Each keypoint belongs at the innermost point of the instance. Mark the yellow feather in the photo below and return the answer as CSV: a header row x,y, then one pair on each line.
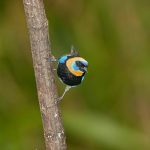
x,y
69,64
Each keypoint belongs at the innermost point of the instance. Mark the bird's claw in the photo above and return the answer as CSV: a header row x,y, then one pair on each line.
x,y
57,100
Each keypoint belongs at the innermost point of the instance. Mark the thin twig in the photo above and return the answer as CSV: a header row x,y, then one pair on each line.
x,y
47,92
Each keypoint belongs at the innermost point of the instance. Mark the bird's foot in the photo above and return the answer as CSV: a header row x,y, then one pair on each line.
x,y
58,100
55,103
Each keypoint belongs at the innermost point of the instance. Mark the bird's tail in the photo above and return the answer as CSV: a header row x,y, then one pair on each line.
x,y
74,52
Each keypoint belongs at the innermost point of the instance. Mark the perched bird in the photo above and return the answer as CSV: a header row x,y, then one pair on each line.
x,y
71,70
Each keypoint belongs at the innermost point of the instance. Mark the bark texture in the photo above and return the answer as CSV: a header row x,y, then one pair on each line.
x,y
46,88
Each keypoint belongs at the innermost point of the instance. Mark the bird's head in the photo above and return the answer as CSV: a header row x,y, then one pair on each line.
x,y
77,65
82,65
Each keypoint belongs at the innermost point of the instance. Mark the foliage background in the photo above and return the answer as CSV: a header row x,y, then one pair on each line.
x,y
110,110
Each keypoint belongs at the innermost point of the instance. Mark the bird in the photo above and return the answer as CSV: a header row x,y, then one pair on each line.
x,y
71,69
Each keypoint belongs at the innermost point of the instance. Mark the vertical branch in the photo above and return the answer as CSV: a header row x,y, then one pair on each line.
x,y
47,92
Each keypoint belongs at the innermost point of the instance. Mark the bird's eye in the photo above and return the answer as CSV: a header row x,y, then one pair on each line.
x,y
80,64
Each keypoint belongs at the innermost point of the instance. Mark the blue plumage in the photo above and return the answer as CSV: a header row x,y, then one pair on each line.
x,y
85,63
82,78
74,66
62,59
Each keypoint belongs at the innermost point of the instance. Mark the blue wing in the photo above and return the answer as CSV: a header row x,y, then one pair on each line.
x,y
62,59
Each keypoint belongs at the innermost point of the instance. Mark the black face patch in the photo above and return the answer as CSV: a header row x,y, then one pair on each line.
x,y
80,64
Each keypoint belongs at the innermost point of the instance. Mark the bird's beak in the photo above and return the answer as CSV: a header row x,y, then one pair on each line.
x,y
85,69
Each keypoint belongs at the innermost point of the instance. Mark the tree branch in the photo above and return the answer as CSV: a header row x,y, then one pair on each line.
x,y
47,92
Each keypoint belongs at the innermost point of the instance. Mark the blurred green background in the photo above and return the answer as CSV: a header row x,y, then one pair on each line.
x,y
111,109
